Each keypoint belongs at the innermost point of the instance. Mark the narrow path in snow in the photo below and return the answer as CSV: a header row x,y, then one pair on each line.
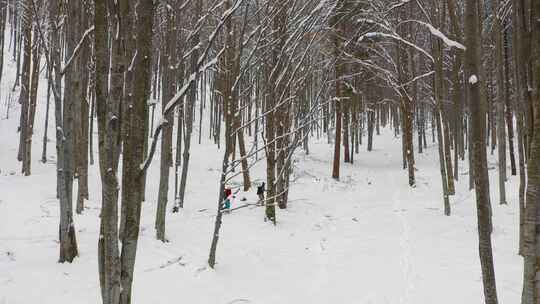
x,y
404,240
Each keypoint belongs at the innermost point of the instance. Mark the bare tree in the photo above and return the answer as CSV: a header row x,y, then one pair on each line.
x,y
477,104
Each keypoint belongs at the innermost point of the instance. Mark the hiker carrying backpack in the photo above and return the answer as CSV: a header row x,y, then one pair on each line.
x,y
260,193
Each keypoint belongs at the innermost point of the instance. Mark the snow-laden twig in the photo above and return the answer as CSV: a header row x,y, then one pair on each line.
x,y
146,163
437,33
398,38
76,50
418,78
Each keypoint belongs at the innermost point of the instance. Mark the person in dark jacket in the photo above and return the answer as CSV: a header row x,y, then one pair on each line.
x,y
260,193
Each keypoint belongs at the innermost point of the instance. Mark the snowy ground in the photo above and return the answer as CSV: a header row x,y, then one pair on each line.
x,y
368,239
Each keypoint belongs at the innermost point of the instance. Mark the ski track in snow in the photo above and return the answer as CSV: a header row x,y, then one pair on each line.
x,y
407,269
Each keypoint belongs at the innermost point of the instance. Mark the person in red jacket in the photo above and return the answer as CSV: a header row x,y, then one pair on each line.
x,y
228,198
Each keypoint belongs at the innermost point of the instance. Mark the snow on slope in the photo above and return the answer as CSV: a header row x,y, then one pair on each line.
x,y
368,239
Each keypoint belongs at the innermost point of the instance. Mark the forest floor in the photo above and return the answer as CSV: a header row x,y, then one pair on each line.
x,y
368,238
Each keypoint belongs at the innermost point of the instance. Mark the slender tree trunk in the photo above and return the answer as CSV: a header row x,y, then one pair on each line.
x,y
134,146
167,86
531,231
189,111
24,97
82,125
219,214
442,166
509,119
477,107
68,242
107,99
34,82
339,68
501,132
520,76
47,111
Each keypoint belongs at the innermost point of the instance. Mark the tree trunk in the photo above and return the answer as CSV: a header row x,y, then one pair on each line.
x,y
68,242
188,113
108,252
531,231
168,82
134,146
24,97
501,132
477,107
82,114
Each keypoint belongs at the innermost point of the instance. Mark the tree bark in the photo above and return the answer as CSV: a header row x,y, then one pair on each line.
x,y
134,146
477,106
107,114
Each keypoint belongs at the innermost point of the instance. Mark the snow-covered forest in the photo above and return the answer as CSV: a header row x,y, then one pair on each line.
x,y
270,151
